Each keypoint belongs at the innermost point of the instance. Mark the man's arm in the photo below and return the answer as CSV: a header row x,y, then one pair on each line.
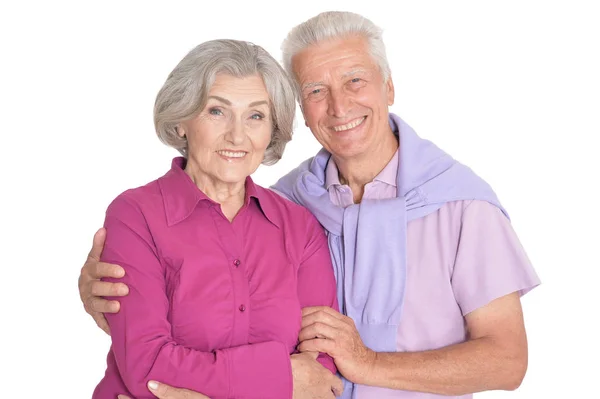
x,y
92,289
493,357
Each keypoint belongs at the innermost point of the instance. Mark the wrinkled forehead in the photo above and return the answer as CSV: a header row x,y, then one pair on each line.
x,y
338,58
232,89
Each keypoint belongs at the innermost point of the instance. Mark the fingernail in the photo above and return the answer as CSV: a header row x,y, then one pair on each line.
x,y
153,385
122,290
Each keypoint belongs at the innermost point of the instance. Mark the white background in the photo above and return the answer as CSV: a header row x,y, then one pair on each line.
x,y
510,88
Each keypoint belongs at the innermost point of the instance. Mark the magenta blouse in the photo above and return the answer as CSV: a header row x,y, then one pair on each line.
x,y
213,306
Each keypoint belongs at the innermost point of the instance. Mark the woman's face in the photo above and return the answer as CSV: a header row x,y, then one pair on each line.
x,y
228,138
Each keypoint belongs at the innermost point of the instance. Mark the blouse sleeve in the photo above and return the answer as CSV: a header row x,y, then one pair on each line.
x,y
316,281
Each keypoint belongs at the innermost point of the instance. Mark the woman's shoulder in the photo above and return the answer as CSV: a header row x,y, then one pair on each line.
x,y
141,194
140,198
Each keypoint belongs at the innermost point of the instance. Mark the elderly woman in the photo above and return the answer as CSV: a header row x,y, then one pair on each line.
x,y
218,267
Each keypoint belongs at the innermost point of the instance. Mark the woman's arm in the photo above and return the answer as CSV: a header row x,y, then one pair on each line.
x,y
141,332
316,281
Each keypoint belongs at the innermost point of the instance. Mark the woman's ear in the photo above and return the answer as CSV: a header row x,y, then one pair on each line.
x,y
180,129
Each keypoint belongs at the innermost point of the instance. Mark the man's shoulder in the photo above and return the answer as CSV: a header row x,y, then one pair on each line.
x,y
472,210
284,184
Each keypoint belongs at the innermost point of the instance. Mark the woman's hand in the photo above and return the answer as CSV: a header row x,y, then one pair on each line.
x,y
164,391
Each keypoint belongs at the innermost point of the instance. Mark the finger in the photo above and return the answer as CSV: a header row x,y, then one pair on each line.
x,y
97,304
104,288
99,270
324,313
337,386
325,309
318,330
312,309
313,355
318,345
101,322
321,317
123,397
98,244
164,391
161,391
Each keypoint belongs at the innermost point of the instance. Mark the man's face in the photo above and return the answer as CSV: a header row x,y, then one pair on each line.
x,y
344,98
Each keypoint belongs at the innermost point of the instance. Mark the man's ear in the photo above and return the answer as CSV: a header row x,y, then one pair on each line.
x,y
390,90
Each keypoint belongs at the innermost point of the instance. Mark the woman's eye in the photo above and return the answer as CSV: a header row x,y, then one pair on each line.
x,y
215,111
257,116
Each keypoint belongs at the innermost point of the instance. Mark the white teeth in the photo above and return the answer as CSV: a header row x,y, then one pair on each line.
x,y
349,125
231,154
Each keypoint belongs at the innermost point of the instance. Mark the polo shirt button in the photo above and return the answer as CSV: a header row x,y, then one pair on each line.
x,y
242,308
236,262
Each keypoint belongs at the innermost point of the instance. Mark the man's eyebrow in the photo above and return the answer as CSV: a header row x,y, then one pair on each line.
x,y
345,75
353,72
312,84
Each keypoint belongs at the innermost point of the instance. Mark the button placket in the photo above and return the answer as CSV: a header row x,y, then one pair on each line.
x,y
230,234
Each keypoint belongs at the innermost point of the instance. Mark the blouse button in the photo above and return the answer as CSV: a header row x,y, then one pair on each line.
x,y
236,262
242,308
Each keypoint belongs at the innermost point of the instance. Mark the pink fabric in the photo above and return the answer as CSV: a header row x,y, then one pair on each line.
x,y
213,306
460,258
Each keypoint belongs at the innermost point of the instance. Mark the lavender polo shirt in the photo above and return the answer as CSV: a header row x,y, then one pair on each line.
x,y
445,280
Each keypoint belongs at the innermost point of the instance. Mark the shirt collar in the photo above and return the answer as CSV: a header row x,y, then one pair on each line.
x,y
181,195
388,175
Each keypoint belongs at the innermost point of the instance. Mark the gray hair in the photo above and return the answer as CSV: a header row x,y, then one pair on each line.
x,y
334,25
185,92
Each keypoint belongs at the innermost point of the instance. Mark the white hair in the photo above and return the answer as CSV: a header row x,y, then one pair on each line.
x,y
185,92
334,25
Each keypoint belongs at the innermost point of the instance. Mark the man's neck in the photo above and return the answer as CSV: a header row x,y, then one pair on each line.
x,y
357,172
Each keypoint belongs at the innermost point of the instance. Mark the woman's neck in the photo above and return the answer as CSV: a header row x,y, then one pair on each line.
x,y
229,195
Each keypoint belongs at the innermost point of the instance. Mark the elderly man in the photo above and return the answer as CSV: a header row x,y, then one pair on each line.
x,y
429,270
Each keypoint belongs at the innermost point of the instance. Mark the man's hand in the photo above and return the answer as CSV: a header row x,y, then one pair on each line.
x,y
328,331
91,289
164,391
312,380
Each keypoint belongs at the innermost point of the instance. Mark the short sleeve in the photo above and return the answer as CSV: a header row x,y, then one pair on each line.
x,y
490,260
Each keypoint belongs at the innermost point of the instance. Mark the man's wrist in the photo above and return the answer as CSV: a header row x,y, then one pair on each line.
x,y
371,363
